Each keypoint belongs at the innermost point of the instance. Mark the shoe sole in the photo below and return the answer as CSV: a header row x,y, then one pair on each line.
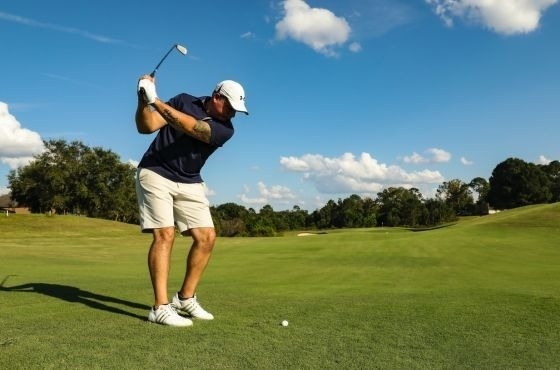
x,y
185,313
173,326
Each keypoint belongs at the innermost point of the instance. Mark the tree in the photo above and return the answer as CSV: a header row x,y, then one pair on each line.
x,y
437,212
77,179
458,195
399,207
481,187
323,218
230,219
108,183
370,212
262,223
515,183
352,211
298,218
552,170
45,184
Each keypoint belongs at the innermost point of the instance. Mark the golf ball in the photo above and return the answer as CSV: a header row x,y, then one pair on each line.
x,y
285,323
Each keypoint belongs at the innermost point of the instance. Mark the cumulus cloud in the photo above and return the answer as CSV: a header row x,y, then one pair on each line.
x,y
275,194
466,162
506,17
18,145
543,160
433,155
209,192
348,174
415,158
317,28
439,155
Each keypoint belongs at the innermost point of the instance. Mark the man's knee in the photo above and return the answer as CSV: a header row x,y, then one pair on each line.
x,y
204,237
164,236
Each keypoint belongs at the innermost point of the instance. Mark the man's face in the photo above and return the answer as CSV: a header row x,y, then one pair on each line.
x,y
224,110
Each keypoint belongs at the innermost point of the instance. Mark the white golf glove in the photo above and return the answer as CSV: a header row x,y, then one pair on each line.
x,y
148,90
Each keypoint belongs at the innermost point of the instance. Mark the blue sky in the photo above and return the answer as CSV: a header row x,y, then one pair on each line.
x,y
345,97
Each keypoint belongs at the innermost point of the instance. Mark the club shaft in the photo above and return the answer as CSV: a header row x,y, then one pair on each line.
x,y
161,61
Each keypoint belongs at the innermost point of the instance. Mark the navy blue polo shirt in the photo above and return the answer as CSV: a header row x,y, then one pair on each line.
x,y
179,157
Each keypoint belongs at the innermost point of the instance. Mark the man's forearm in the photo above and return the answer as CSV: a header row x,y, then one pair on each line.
x,y
183,122
147,120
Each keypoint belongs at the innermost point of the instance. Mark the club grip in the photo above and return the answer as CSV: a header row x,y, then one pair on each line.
x,y
142,94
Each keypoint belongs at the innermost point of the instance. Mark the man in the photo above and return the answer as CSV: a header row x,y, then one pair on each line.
x,y
170,190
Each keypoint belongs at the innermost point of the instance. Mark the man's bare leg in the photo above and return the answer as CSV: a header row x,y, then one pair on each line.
x,y
159,261
198,258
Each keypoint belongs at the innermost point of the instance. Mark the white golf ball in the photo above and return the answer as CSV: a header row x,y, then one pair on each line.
x,y
285,323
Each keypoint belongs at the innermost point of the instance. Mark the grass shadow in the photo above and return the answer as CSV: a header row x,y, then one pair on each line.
x,y
429,228
76,295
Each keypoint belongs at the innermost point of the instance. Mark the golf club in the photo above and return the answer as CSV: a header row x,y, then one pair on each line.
x,y
180,48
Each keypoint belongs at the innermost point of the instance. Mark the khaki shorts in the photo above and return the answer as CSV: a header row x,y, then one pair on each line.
x,y
164,203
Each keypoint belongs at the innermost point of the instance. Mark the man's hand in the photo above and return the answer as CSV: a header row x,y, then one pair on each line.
x,y
147,90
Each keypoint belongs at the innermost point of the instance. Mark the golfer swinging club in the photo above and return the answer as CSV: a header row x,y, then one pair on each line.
x,y
170,190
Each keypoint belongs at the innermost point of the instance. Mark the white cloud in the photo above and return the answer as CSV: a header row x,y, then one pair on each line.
x,y
17,145
415,158
318,28
73,81
248,35
348,174
54,27
274,195
543,160
506,17
466,162
209,192
355,47
434,155
439,155
374,18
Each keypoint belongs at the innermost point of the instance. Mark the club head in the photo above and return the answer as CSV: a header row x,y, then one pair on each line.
x,y
181,49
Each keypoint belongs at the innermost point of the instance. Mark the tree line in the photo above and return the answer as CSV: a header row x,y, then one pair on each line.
x,y
71,178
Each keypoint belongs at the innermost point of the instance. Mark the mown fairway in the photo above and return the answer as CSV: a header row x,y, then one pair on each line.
x,y
484,293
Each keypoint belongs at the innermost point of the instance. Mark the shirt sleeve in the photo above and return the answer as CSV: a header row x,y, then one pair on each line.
x,y
220,133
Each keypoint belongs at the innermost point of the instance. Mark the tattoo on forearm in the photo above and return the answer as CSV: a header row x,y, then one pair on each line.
x,y
171,118
202,131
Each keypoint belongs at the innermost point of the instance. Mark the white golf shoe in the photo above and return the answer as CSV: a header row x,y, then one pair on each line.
x,y
165,314
191,307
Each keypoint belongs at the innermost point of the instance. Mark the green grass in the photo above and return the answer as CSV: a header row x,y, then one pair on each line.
x,y
483,293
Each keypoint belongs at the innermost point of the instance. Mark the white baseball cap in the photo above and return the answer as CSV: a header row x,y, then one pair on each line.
x,y
234,93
